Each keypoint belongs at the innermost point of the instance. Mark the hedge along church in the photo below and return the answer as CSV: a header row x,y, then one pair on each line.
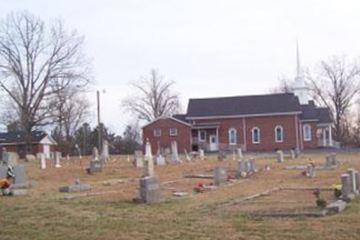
x,y
254,123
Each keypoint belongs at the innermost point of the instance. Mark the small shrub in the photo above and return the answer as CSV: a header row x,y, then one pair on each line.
x,y
320,203
337,193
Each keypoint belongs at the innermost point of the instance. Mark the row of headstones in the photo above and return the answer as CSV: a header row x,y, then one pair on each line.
x,y
42,159
293,155
350,184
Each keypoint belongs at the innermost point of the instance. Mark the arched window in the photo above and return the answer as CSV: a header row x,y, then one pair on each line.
x,y
255,135
279,134
307,132
232,136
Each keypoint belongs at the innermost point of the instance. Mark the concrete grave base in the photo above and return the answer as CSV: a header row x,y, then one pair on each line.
x,y
75,188
336,207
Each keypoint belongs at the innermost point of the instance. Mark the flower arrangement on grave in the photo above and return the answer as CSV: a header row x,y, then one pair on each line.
x,y
319,201
337,190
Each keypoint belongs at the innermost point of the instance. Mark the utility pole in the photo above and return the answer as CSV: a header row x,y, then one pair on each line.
x,y
99,122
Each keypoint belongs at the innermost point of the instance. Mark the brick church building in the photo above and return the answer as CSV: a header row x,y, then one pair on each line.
x,y
254,123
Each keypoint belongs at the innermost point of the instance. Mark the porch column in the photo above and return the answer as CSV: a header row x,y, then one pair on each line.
x,y
324,136
330,137
217,137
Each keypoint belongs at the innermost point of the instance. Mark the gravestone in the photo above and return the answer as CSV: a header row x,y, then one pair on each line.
x,y
239,153
241,168
95,166
280,156
201,154
188,158
292,154
160,160
247,166
30,158
138,161
95,154
20,180
357,178
105,156
310,171
220,176
42,160
150,190
253,168
353,186
3,171
10,158
148,160
345,187
57,159
174,153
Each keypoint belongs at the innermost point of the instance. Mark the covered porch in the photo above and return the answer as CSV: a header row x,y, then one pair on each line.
x,y
324,135
205,136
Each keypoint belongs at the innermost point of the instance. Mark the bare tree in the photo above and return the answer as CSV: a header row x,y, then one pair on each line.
x,y
285,85
33,59
153,98
335,84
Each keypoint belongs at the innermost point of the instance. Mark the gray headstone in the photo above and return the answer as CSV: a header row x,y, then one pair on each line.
x,y
345,186
253,168
95,154
3,171
20,174
297,152
160,160
10,158
310,171
280,156
95,166
220,176
357,177
241,167
352,174
105,156
292,154
150,190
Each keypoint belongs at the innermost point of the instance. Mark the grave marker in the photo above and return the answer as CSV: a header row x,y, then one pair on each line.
x,y
149,190
149,163
57,159
174,153
345,187
280,156
138,161
220,176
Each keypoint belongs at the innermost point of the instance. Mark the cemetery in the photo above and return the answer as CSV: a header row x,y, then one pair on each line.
x,y
217,196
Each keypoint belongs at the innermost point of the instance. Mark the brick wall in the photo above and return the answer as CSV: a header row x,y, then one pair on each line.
x,y
183,137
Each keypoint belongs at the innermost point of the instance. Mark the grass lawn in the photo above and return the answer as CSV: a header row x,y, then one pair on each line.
x,y
111,214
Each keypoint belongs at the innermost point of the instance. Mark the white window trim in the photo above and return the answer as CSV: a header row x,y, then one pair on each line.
x,y
282,134
199,136
235,132
252,135
173,134
155,132
304,132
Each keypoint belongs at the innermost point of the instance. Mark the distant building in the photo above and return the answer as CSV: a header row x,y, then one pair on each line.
x,y
15,142
254,123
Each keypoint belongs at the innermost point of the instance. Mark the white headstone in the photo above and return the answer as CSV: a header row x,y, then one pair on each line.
x,y
280,156
95,154
138,161
105,156
201,154
57,159
188,158
174,152
240,154
149,163
42,161
160,160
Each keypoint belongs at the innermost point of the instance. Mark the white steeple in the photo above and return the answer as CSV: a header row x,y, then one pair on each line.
x,y
300,89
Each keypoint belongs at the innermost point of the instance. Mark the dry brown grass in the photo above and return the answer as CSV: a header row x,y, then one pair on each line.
x,y
44,214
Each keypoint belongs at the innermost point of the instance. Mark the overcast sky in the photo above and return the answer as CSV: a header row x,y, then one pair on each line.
x,y
209,48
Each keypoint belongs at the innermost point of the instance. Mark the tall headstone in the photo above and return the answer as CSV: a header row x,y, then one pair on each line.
x,y
292,154
42,160
239,153
105,156
241,168
150,190
253,168
188,158
297,152
353,186
95,154
345,186
357,178
174,153
57,159
220,176
138,161
201,154
149,162
280,156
